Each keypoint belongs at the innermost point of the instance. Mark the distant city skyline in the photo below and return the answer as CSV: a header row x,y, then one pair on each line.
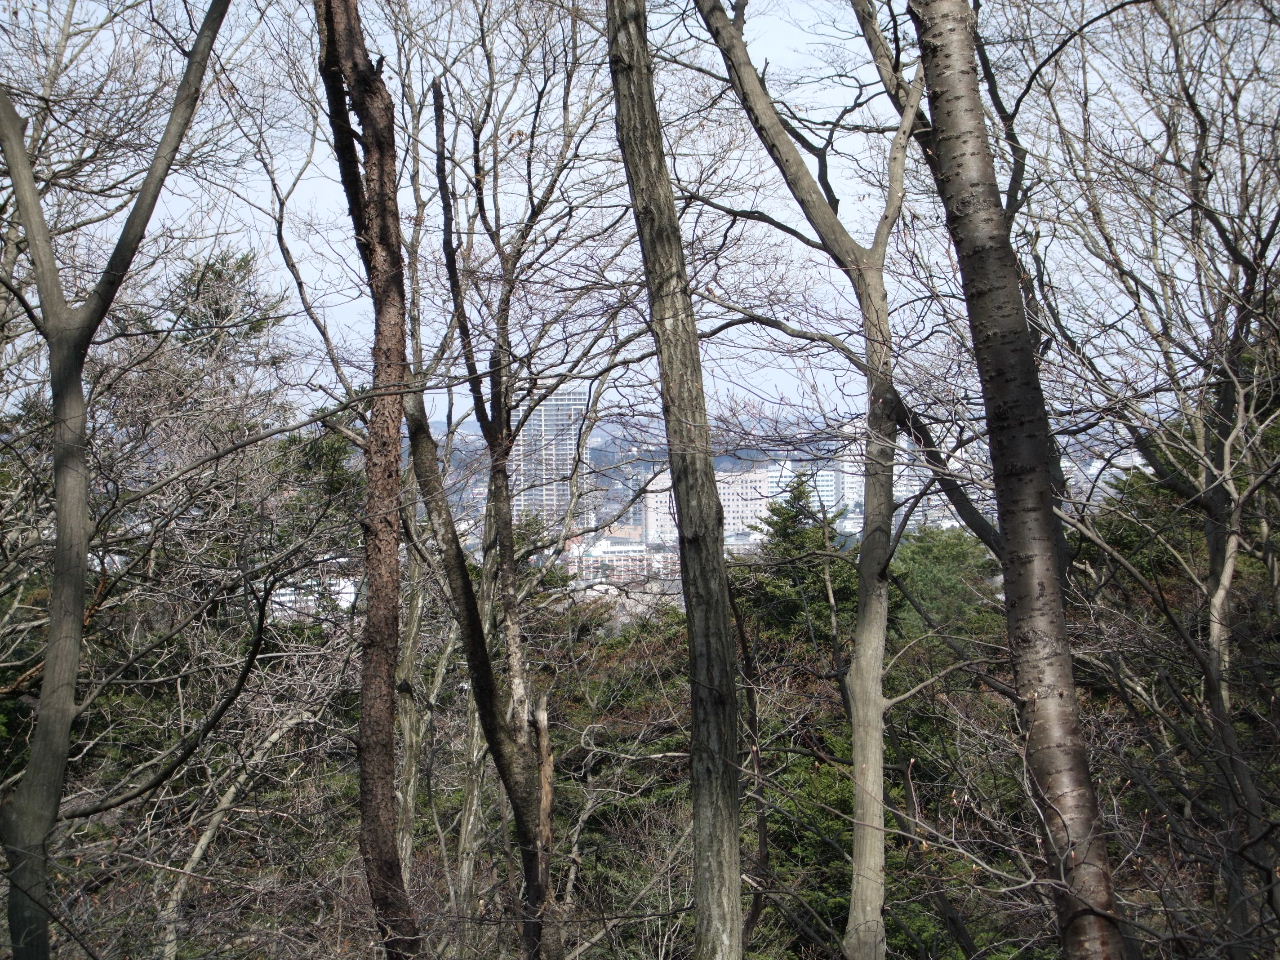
x,y
624,489
745,496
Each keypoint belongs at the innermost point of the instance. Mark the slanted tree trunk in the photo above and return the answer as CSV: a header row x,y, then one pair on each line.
x,y
28,813
517,742
714,748
348,74
523,759
1021,454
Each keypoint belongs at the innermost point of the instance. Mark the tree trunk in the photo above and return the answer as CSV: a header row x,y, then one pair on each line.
x,y
410,722
469,836
505,715
528,781
714,747
861,687
1244,811
31,812
864,933
347,71
1021,453
518,757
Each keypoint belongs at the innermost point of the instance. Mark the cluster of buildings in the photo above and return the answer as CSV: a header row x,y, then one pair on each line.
x,y
621,492
747,490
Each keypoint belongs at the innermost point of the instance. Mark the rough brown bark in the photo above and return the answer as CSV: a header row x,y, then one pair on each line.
x,y
370,187
1021,454
29,812
714,747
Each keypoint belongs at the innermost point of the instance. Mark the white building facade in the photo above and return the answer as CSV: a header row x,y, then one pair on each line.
x,y
545,455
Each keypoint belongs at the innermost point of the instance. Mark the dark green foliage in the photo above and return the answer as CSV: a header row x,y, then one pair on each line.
x,y
945,608
221,296
784,586
1146,524
952,577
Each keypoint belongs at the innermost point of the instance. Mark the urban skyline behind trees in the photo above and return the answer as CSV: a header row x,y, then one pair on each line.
x,y
313,319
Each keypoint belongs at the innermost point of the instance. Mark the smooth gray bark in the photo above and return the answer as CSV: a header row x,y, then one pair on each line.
x,y
28,813
1022,453
712,657
864,935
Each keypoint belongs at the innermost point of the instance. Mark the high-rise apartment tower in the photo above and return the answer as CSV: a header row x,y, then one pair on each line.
x,y
545,454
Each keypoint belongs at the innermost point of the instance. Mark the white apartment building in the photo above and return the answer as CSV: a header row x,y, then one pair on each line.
x,y
545,453
1098,477
834,488
914,489
745,496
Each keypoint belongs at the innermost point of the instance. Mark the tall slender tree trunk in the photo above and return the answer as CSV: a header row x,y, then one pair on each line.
x,y
30,814
1021,454
1250,912
348,73
470,824
864,933
517,742
518,745
529,781
862,684
714,748
410,721
1222,534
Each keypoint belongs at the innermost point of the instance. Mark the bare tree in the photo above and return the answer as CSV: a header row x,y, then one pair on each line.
x,y
498,124
29,810
1171,218
864,935
370,181
510,116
